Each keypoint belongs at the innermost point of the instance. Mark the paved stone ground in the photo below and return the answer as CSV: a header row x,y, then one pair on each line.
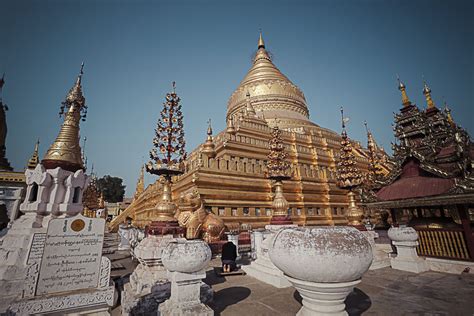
x,y
382,292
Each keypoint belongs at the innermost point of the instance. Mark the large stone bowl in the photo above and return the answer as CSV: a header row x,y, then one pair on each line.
x,y
402,234
321,254
186,256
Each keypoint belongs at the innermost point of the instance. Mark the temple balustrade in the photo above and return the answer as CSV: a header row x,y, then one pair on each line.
x,y
447,243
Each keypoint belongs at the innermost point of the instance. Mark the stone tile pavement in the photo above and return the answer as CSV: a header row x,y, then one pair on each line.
x,y
381,292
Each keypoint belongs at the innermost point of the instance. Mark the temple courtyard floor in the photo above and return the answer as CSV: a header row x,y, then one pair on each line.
x,y
382,292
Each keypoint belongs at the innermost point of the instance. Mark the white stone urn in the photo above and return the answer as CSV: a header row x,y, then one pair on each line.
x,y
323,264
186,256
402,234
406,241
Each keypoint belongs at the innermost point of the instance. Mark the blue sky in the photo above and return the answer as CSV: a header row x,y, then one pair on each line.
x,y
338,52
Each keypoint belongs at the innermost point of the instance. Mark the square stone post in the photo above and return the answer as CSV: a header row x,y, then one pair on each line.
x,y
185,295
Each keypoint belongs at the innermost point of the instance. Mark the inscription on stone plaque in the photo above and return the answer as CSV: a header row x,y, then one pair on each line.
x,y
36,248
72,255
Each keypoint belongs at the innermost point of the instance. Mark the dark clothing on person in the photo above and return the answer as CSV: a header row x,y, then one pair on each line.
x,y
229,251
229,254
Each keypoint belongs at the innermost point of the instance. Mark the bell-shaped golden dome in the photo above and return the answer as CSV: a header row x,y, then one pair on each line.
x,y
271,92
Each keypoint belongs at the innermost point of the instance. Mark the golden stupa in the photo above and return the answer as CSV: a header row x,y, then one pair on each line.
x,y
231,178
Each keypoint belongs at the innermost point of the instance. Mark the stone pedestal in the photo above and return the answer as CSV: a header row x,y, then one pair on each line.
x,y
262,268
323,298
185,299
323,264
407,259
185,261
406,241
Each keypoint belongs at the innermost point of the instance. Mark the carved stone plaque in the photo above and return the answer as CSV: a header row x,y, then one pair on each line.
x,y
72,255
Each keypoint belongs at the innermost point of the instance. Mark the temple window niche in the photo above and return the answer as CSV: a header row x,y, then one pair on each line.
x,y
221,211
246,211
234,211
33,193
76,195
268,212
257,211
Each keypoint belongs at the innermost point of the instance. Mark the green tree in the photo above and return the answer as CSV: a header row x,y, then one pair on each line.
x,y
112,188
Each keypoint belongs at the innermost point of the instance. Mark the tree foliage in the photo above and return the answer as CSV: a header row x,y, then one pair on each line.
x,y
112,188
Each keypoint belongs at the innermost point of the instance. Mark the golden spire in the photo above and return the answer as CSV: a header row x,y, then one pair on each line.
x,y
249,108
140,184
34,160
65,152
209,147
449,117
402,88
230,125
427,93
261,43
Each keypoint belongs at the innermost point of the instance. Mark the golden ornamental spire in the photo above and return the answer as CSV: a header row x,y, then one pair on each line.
x,y
278,169
65,152
449,117
427,92
140,184
402,88
209,147
348,176
34,160
261,43
249,108
230,125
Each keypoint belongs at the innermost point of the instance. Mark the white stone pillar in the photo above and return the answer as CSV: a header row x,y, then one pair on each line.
x,y
406,241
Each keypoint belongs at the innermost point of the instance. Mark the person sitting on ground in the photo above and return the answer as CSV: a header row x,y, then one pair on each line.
x,y
229,255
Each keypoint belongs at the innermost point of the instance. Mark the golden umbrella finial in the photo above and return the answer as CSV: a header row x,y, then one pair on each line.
x,y
261,43
402,88
427,92
65,152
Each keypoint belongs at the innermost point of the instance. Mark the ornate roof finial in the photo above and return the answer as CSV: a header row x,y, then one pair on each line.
x,y
209,128
230,125
261,43
249,108
140,184
209,148
427,92
449,117
34,160
402,88
65,152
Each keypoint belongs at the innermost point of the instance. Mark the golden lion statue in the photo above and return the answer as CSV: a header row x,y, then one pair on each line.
x,y
199,223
